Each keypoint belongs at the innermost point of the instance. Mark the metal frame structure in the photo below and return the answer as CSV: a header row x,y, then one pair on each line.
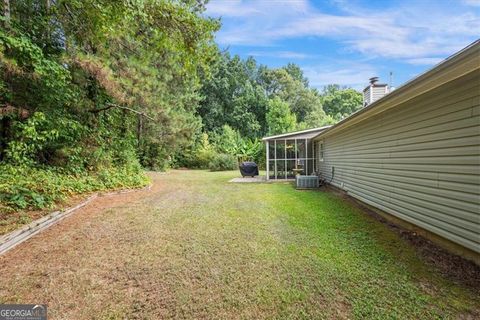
x,y
284,154
307,161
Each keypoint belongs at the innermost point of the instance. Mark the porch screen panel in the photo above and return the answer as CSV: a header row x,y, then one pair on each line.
x,y
281,172
290,167
280,149
271,150
290,150
271,169
301,150
288,157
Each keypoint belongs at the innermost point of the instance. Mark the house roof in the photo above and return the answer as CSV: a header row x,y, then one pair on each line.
x,y
461,63
375,85
303,134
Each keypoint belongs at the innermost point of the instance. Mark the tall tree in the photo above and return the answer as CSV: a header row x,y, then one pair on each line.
x,y
99,65
340,102
279,117
280,83
296,73
233,97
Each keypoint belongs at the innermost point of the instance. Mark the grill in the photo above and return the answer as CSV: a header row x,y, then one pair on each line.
x,y
248,169
307,182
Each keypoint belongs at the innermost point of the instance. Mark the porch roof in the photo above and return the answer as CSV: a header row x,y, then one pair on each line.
x,y
304,134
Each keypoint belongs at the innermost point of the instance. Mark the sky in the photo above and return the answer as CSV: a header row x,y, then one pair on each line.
x,y
347,42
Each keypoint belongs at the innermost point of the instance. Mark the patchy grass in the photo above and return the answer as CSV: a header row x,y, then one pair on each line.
x,y
197,246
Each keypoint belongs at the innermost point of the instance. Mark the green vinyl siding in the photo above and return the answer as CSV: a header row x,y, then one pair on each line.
x,y
419,161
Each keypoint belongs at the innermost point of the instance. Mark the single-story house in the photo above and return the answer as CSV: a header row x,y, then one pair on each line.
x,y
413,153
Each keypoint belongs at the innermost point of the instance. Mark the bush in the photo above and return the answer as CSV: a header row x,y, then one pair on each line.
x,y
201,154
204,157
30,188
222,162
197,156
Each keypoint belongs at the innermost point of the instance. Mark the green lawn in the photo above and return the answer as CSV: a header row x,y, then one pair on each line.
x,y
196,246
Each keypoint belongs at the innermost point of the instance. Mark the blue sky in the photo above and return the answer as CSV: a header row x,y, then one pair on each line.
x,y
347,42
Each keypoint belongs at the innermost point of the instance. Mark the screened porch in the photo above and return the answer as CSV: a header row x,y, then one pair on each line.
x,y
290,154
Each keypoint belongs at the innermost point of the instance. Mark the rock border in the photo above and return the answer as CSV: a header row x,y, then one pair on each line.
x,y
14,238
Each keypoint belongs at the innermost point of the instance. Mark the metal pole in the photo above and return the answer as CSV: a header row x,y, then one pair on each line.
x,y
313,159
296,154
306,157
268,159
285,155
275,161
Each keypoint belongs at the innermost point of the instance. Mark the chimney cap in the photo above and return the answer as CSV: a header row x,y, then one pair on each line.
x,y
373,80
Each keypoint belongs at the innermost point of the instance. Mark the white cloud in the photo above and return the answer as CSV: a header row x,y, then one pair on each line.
x,y
408,32
257,10
345,74
231,8
414,32
474,3
280,54
424,61
254,18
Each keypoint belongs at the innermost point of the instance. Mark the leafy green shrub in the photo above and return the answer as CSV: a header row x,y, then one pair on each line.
x,y
197,156
250,150
222,162
205,153
23,187
227,141
30,138
230,141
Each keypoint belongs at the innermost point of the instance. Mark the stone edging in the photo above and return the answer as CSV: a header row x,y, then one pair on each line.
x,y
14,238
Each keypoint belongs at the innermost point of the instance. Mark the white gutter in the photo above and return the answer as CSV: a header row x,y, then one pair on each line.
x,y
295,133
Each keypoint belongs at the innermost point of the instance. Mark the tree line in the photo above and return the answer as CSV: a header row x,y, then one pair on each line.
x,y
248,100
92,86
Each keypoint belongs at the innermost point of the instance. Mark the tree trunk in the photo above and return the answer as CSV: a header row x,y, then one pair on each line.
x,y
139,130
124,128
6,11
4,136
47,29
5,121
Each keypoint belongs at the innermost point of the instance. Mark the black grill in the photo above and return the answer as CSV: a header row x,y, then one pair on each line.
x,y
248,168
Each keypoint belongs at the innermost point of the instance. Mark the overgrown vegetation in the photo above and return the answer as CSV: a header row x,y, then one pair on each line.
x,y
91,91
223,162
26,187
99,87
254,100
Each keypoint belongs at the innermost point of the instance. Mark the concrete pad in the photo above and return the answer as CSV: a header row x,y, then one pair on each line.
x,y
249,179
